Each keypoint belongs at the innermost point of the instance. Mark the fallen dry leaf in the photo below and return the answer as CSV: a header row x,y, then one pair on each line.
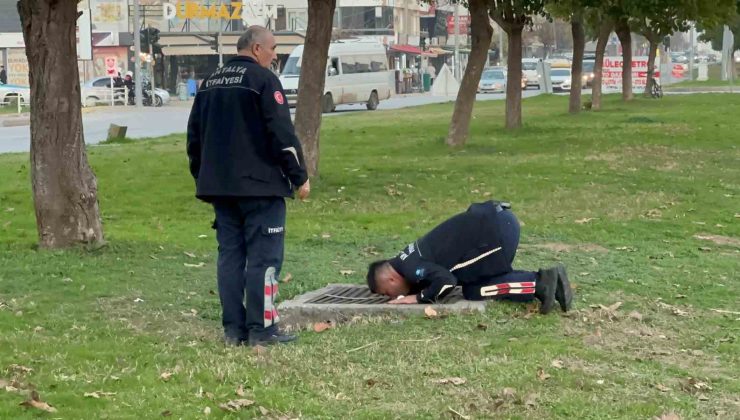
x,y
166,413
236,405
702,397
482,327
264,411
457,414
199,265
189,254
288,277
240,391
557,364
20,369
454,381
542,375
321,326
259,350
207,411
429,312
325,235
346,272
165,376
585,220
705,249
508,392
635,315
35,402
662,388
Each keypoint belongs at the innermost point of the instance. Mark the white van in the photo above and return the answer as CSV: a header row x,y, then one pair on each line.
x,y
529,71
356,72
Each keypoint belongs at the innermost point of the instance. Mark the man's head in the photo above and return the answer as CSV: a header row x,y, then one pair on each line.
x,y
383,279
259,44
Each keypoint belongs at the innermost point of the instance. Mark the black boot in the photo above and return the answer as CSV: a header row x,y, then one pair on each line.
x,y
547,283
563,293
277,337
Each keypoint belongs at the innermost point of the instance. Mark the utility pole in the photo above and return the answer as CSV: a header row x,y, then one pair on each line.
x,y
137,54
457,41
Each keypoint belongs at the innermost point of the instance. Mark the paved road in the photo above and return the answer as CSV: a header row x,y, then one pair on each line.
x,y
155,122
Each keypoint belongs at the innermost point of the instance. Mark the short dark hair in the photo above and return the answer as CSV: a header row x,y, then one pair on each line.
x,y
252,36
372,274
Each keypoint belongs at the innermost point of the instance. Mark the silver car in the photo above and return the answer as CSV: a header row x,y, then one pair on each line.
x,y
98,91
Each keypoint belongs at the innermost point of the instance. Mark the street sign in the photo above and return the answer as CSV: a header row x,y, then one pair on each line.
x,y
464,24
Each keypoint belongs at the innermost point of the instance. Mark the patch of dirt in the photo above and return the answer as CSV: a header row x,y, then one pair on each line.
x,y
719,239
603,157
563,247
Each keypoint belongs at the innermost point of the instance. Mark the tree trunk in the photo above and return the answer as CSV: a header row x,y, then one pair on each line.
x,y
605,29
625,38
311,82
64,186
514,78
651,65
481,34
576,83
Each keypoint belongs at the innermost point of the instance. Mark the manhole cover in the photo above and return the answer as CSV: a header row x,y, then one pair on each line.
x,y
357,295
343,302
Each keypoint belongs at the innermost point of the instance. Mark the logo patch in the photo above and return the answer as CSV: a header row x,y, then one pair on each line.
x,y
279,97
275,230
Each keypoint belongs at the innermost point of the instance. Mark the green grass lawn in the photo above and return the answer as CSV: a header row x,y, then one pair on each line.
x,y
640,201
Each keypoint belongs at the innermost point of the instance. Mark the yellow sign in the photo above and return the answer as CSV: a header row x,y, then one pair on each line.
x,y
195,10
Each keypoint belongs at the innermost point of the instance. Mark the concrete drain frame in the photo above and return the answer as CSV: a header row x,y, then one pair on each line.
x,y
343,302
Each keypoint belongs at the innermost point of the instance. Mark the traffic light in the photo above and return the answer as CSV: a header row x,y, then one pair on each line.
x,y
150,37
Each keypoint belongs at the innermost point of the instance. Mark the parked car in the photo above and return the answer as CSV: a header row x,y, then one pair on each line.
x,y
529,70
98,92
560,79
492,80
9,92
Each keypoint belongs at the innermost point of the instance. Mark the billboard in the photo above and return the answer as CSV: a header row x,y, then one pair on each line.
x,y
612,74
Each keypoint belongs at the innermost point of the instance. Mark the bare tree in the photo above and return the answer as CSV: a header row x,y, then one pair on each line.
x,y
311,98
625,38
64,186
513,16
481,33
579,44
605,26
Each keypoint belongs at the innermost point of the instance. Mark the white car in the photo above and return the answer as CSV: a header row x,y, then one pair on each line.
x,y
98,92
492,80
560,79
529,70
9,92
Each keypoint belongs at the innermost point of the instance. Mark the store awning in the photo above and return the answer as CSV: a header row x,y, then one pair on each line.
x,y
439,51
409,49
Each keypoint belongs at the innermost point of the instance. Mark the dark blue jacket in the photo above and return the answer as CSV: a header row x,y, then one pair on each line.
x,y
241,141
465,248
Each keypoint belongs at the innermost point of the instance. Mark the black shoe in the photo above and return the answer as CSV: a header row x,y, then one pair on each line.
x,y
545,288
272,338
563,293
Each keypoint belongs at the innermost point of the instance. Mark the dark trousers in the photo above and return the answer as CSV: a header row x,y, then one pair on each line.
x,y
515,285
250,234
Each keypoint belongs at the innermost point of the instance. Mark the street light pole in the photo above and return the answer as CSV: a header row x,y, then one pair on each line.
x,y
137,54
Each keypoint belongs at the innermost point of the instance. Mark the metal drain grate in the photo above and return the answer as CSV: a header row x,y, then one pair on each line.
x,y
361,295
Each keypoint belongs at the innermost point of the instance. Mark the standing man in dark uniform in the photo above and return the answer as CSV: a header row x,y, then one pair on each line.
x,y
245,158
475,250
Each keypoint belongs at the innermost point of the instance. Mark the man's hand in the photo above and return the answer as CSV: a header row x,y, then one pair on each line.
x,y
304,190
404,300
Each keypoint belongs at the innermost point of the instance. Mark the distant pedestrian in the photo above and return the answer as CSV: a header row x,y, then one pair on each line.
x,y
246,158
3,76
432,72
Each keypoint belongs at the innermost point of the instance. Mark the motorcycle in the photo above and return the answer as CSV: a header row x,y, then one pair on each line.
x,y
148,97
657,90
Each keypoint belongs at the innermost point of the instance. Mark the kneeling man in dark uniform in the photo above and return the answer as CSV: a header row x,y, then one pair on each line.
x,y
475,250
